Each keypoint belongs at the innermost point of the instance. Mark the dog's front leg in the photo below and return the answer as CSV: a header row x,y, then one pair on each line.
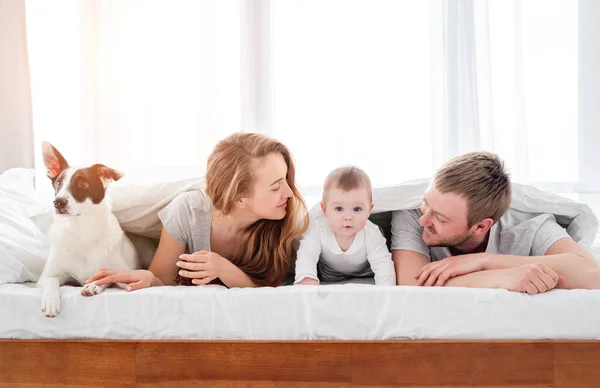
x,y
50,280
50,296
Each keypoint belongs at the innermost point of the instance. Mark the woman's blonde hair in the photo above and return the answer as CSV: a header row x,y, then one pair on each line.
x,y
266,252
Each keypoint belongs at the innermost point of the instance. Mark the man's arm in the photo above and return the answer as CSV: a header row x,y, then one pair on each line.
x,y
576,266
571,262
407,264
409,251
532,279
529,278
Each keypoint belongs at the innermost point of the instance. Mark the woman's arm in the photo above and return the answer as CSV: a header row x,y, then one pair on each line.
x,y
205,266
232,276
162,270
163,264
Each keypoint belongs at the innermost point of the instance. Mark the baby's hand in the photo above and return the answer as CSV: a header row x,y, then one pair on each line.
x,y
309,282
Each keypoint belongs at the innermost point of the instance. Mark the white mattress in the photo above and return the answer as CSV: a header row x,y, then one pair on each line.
x,y
342,312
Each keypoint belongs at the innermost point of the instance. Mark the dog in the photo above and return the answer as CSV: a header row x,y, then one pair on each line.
x,y
85,235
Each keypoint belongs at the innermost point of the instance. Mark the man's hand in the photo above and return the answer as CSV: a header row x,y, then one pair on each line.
x,y
529,278
438,272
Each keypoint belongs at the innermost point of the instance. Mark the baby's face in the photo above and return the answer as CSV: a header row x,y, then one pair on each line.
x,y
347,211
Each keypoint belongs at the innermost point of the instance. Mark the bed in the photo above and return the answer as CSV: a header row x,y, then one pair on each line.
x,y
331,335
338,335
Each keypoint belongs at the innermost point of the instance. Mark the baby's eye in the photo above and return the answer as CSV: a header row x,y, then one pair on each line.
x,y
357,209
339,208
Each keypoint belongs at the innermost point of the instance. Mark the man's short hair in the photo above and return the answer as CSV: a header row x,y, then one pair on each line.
x,y
479,177
347,178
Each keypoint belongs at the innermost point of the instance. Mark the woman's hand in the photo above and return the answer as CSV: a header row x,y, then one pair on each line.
x,y
202,267
134,279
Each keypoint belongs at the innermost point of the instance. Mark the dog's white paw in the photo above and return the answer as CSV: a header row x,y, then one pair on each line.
x,y
91,289
51,305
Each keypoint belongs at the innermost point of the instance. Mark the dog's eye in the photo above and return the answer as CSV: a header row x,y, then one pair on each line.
x,y
83,184
59,183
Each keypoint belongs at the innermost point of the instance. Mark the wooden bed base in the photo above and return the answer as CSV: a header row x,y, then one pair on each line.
x,y
216,364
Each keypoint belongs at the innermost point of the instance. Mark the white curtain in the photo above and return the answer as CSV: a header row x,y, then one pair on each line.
x,y
16,132
399,87
394,86
144,86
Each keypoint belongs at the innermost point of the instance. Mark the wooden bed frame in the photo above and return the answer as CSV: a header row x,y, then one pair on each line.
x,y
217,364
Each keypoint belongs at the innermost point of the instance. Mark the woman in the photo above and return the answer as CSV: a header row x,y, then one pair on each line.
x,y
240,230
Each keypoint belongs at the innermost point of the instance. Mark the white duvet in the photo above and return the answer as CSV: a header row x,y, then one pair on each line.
x,y
346,311
25,214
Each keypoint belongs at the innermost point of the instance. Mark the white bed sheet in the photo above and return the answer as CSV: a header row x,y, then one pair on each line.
x,y
332,312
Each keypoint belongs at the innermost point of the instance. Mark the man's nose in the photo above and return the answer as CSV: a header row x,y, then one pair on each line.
x,y
425,220
60,203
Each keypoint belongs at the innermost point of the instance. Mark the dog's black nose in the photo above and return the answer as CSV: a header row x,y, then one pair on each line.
x,y
60,203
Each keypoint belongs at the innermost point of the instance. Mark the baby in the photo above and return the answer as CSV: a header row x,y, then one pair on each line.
x,y
344,243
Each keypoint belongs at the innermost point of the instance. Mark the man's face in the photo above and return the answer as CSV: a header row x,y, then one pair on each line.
x,y
444,219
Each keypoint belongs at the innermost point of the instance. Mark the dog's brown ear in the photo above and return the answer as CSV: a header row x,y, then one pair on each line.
x,y
53,160
107,174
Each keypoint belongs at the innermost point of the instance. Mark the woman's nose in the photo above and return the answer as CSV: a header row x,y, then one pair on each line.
x,y
288,191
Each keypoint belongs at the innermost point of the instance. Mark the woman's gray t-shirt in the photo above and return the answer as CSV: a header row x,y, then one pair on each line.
x,y
188,219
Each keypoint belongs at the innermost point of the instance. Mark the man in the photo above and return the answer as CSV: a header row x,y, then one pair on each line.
x,y
465,235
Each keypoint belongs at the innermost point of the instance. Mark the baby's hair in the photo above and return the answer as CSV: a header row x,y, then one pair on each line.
x,y
347,178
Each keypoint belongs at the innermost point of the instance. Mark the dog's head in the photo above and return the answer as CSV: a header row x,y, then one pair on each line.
x,y
77,189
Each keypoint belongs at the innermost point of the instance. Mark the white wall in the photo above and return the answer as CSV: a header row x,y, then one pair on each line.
x,y
16,133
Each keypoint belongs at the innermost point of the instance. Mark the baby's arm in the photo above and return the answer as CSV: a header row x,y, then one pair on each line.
x,y
380,258
308,256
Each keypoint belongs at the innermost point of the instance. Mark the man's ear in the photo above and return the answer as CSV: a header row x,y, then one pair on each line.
x,y
106,174
53,160
483,226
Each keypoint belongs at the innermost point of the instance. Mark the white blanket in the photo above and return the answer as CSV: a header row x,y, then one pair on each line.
x,y
25,214
577,218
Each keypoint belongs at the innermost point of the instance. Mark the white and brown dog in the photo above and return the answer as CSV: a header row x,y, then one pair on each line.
x,y
85,236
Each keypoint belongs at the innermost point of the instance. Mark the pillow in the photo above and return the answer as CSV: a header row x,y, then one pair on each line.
x,y
25,216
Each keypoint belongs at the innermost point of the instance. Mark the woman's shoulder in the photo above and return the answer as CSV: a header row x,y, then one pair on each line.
x,y
194,200
190,204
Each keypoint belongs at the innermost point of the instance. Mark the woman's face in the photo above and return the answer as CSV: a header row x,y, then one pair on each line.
x,y
271,189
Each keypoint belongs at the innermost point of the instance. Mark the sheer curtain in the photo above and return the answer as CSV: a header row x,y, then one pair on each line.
x,y
394,86
144,86
398,87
